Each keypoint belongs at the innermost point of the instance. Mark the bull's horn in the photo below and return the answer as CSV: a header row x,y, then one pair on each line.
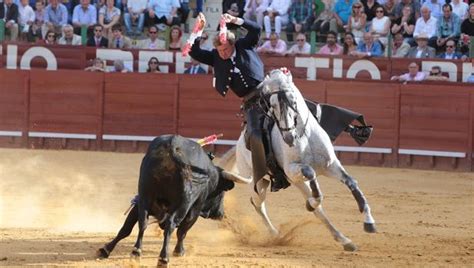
x,y
236,178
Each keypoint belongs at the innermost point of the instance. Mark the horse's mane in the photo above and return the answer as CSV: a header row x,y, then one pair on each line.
x,y
277,80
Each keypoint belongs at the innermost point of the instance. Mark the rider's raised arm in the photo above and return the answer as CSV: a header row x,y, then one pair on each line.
x,y
201,55
253,34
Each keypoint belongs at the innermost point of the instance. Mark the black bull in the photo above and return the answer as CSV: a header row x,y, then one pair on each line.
x,y
178,183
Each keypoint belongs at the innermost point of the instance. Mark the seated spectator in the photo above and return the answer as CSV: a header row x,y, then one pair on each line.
x,y
84,14
448,26
380,27
234,8
255,9
50,38
435,6
405,25
331,47
26,18
350,44
175,43
426,25
162,11
400,48
153,65
109,16
69,37
274,46
357,21
183,13
341,11
460,8
370,7
98,65
9,14
322,20
368,48
414,7
98,40
135,16
37,29
119,40
389,7
195,68
56,16
436,75
422,50
299,18
467,30
301,47
277,13
450,52
119,67
203,43
152,42
413,74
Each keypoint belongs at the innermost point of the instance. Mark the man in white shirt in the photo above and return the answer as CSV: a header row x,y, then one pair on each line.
x,y
135,15
426,25
26,16
152,43
255,8
460,8
163,11
301,47
69,38
277,12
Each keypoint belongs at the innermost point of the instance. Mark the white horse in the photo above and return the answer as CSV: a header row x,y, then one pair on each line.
x,y
303,149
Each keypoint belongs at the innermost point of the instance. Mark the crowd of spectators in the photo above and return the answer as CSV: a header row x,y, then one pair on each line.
x,y
358,28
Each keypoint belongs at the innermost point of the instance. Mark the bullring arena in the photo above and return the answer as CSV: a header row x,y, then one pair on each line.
x,y
59,207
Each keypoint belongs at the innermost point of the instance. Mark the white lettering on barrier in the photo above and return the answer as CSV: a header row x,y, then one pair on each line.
x,y
33,52
446,67
311,64
12,54
467,70
363,65
162,56
337,68
116,54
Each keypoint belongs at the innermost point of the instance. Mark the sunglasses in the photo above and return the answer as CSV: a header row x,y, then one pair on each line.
x,y
379,11
435,73
50,35
97,31
152,32
356,7
300,40
153,62
450,46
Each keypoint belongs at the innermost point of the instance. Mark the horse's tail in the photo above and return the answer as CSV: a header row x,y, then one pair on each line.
x,y
228,159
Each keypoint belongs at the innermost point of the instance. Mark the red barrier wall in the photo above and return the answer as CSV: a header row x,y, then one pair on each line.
x,y
419,125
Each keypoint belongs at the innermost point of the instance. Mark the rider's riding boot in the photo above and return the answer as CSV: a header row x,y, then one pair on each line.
x,y
259,163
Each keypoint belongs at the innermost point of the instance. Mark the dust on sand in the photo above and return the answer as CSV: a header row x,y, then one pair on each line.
x,y
58,207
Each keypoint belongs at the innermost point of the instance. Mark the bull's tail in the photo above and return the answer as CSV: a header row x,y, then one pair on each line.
x,y
228,159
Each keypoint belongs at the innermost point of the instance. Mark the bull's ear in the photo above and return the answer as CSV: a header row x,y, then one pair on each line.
x,y
235,178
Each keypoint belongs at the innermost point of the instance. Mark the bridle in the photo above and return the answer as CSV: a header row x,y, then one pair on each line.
x,y
285,104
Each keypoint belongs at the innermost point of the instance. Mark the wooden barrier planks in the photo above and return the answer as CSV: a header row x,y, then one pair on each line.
x,y
203,111
140,104
12,101
65,102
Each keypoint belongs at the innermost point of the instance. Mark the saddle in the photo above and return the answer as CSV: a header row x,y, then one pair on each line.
x,y
334,120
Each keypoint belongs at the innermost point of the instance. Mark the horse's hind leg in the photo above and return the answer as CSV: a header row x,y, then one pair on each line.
x,y
258,202
306,190
339,172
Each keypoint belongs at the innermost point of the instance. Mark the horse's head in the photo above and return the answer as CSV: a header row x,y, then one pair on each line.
x,y
282,96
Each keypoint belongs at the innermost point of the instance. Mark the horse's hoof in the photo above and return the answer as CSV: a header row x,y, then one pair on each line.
x,y
312,203
136,254
162,263
369,228
350,247
102,253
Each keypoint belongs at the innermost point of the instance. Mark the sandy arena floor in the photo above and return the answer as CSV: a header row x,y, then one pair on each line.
x,y
58,207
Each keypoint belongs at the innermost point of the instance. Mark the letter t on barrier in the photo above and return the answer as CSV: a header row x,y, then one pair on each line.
x,y
311,64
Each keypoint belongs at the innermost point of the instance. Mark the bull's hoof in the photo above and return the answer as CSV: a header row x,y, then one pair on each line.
x,y
178,253
350,247
162,262
370,228
102,253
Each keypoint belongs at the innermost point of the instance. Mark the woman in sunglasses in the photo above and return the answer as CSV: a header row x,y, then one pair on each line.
x,y
357,21
153,65
50,38
380,27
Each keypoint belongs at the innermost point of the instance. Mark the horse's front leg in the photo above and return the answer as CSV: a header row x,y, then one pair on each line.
x,y
301,173
258,202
